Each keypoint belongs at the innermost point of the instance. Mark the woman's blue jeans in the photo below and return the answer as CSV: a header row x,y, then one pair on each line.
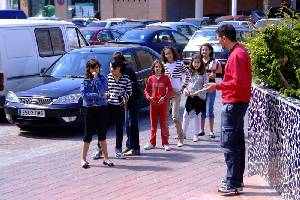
x,y
233,141
210,101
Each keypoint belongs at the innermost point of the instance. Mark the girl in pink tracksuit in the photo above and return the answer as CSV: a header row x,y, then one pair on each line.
x,y
158,91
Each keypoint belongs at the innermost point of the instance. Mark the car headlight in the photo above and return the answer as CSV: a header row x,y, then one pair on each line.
x,y
12,97
68,99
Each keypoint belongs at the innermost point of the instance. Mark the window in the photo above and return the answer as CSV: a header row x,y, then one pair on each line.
x,y
165,37
145,58
76,40
155,39
115,34
179,38
131,60
183,29
193,29
50,41
104,36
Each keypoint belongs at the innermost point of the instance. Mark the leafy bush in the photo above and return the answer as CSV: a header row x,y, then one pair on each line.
x,y
275,56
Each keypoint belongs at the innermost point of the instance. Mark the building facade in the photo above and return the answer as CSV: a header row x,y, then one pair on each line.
x,y
174,10
167,10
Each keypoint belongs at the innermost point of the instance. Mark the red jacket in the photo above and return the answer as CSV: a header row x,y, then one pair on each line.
x,y
236,85
158,88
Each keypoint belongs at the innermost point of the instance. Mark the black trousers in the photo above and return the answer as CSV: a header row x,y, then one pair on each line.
x,y
117,117
132,124
95,122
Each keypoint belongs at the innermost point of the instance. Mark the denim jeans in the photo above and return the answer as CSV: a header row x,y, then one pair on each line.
x,y
132,124
210,101
233,141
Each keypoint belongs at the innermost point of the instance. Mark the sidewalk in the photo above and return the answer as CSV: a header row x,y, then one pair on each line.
x,y
51,170
38,166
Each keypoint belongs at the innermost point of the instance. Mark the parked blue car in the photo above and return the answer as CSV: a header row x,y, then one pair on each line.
x,y
57,102
12,14
155,38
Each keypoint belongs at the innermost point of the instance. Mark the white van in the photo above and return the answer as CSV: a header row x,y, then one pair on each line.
x,y
28,47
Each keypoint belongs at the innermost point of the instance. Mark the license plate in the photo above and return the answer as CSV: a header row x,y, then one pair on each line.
x,y
32,113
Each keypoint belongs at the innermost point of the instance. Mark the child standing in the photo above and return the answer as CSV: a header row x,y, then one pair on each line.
x,y
93,89
118,92
211,65
158,91
176,71
195,95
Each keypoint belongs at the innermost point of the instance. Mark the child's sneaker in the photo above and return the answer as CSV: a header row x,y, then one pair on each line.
x,y
149,146
180,144
120,155
97,155
211,135
195,139
201,133
167,147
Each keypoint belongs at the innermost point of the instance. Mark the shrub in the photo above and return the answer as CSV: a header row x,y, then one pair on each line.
x,y
275,56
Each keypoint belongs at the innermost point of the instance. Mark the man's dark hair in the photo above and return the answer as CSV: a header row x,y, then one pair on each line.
x,y
228,31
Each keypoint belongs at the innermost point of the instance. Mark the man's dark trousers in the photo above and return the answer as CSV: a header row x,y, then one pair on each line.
x,y
233,141
132,124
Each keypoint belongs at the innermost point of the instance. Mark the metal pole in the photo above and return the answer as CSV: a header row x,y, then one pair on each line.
x,y
233,7
198,8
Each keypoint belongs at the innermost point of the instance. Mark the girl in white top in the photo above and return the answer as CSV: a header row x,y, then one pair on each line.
x,y
195,95
177,72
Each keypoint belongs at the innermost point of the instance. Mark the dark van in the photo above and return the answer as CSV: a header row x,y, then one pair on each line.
x,y
12,14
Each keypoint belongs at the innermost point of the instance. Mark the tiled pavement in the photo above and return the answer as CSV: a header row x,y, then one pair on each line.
x,y
46,166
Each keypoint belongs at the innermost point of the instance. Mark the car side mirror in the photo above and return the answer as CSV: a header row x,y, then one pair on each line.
x,y
42,71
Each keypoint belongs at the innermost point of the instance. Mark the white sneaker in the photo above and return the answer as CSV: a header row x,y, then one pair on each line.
x,y
148,146
180,144
195,139
167,147
97,154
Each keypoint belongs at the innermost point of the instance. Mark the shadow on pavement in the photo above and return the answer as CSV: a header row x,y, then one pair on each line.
x,y
162,156
260,194
137,168
52,133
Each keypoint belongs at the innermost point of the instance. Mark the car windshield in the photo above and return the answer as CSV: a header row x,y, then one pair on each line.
x,y
73,64
140,35
87,33
97,24
209,35
262,23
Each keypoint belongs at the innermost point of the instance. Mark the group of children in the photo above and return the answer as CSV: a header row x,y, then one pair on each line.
x,y
169,80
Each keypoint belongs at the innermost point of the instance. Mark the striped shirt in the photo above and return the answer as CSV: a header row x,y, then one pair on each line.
x,y
177,73
118,91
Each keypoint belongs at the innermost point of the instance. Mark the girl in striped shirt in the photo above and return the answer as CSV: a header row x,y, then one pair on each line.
x,y
118,93
176,71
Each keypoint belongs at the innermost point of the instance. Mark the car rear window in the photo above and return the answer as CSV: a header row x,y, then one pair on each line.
x,y
97,24
87,34
73,64
140,35
209,35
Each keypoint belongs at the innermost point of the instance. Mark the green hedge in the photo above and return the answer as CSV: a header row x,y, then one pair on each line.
x,y
275,56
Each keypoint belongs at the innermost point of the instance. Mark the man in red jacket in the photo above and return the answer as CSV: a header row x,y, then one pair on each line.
x,y
236,93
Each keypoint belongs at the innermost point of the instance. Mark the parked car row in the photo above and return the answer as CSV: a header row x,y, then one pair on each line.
x,y
29,47
53,99
57,102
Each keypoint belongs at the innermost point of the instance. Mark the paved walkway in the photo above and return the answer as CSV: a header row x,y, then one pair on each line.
x,y
46,166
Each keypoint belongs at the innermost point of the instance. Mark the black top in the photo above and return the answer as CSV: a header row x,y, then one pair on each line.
x,y
136,92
